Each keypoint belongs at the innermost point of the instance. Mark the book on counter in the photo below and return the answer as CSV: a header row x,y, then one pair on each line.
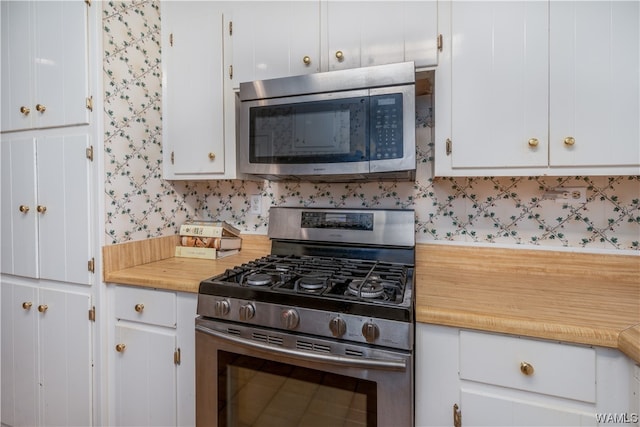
x,y
208,229
220,243
195,252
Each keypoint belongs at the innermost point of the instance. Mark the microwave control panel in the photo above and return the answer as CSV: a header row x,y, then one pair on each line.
x,y
386,126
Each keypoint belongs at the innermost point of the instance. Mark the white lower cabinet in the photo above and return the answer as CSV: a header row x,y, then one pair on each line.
x,y
152,352
502,380
46,356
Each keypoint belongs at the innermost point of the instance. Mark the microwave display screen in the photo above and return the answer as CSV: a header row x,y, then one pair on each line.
x,y
327,131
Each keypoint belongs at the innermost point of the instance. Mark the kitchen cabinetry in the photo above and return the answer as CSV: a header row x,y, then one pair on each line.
x,y
46,356
503,380
46,181
381,32
313,36
538,88
44,64
152,352
198,117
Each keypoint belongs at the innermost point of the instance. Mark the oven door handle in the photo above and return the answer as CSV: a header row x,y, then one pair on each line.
x,y
334,359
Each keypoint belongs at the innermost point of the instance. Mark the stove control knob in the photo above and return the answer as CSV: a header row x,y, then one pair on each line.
x,y
247,311
290,319
222,308
370,332
338,327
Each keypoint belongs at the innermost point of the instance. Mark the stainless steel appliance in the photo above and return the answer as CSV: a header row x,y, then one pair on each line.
x,y
319,332
344,125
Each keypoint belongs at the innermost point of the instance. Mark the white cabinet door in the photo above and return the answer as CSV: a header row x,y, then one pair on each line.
x,y
145,376
193,100
46,357
595,83
63,208
275,39
44,64
362,34
19,355
65,358
19,198
46,207
499,84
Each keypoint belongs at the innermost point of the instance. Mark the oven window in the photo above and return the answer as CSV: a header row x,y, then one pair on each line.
x,y
329,131
258,392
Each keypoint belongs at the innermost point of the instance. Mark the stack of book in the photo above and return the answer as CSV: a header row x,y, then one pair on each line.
x,y
208,240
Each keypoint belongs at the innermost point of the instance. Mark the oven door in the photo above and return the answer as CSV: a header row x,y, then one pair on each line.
x,y
248,376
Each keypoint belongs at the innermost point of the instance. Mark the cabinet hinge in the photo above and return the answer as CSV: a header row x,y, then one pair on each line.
x,y
89,153
457,416
176,356
89,103
91,265
448,147
92,314
171,39
173,157
231,72
230,28
440,42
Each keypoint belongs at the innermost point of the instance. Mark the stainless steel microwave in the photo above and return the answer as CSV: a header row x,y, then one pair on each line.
x,y
337,126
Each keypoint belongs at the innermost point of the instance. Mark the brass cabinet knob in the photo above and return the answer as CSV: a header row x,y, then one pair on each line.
x,y
139,308
339,55
212,156
569,140
42,308
526,368
23,208
41,209
306,60
120,348
41,108
27,305
25,111
533,142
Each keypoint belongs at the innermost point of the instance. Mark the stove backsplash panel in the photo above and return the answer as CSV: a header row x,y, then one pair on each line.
x,y
139,204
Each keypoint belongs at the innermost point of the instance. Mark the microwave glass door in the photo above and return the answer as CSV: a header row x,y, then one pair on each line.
x,y
324,131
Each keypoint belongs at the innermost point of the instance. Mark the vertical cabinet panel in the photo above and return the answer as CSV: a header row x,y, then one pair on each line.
x,y
63,193
499,82
19,355
44,64
65,359
145,377
193,100
19,198
595,83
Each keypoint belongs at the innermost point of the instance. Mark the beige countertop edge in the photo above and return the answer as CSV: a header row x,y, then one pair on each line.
x,y
626,340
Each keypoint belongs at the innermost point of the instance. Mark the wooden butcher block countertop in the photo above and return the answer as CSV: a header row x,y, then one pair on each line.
x,y
566,296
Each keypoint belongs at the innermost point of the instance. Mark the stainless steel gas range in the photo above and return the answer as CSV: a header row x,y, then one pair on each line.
x,y
319,332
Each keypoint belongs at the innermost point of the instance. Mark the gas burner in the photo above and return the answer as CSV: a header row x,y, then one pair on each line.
x,y
259,279
368,290
311,283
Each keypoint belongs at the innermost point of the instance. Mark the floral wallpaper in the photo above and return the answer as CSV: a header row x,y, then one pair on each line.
x,y
508,211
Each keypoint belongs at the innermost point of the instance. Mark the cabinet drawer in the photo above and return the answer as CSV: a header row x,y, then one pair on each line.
x,y
554,369
145,305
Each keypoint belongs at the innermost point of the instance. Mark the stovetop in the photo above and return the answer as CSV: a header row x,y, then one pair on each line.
x,y
364,287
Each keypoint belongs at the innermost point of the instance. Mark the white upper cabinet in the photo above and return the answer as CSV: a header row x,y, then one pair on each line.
x,y
362,34
595,84
274,39
538,88
44,64
193,94
46,207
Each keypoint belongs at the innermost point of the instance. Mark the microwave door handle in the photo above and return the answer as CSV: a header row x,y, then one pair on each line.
x,y
385,364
